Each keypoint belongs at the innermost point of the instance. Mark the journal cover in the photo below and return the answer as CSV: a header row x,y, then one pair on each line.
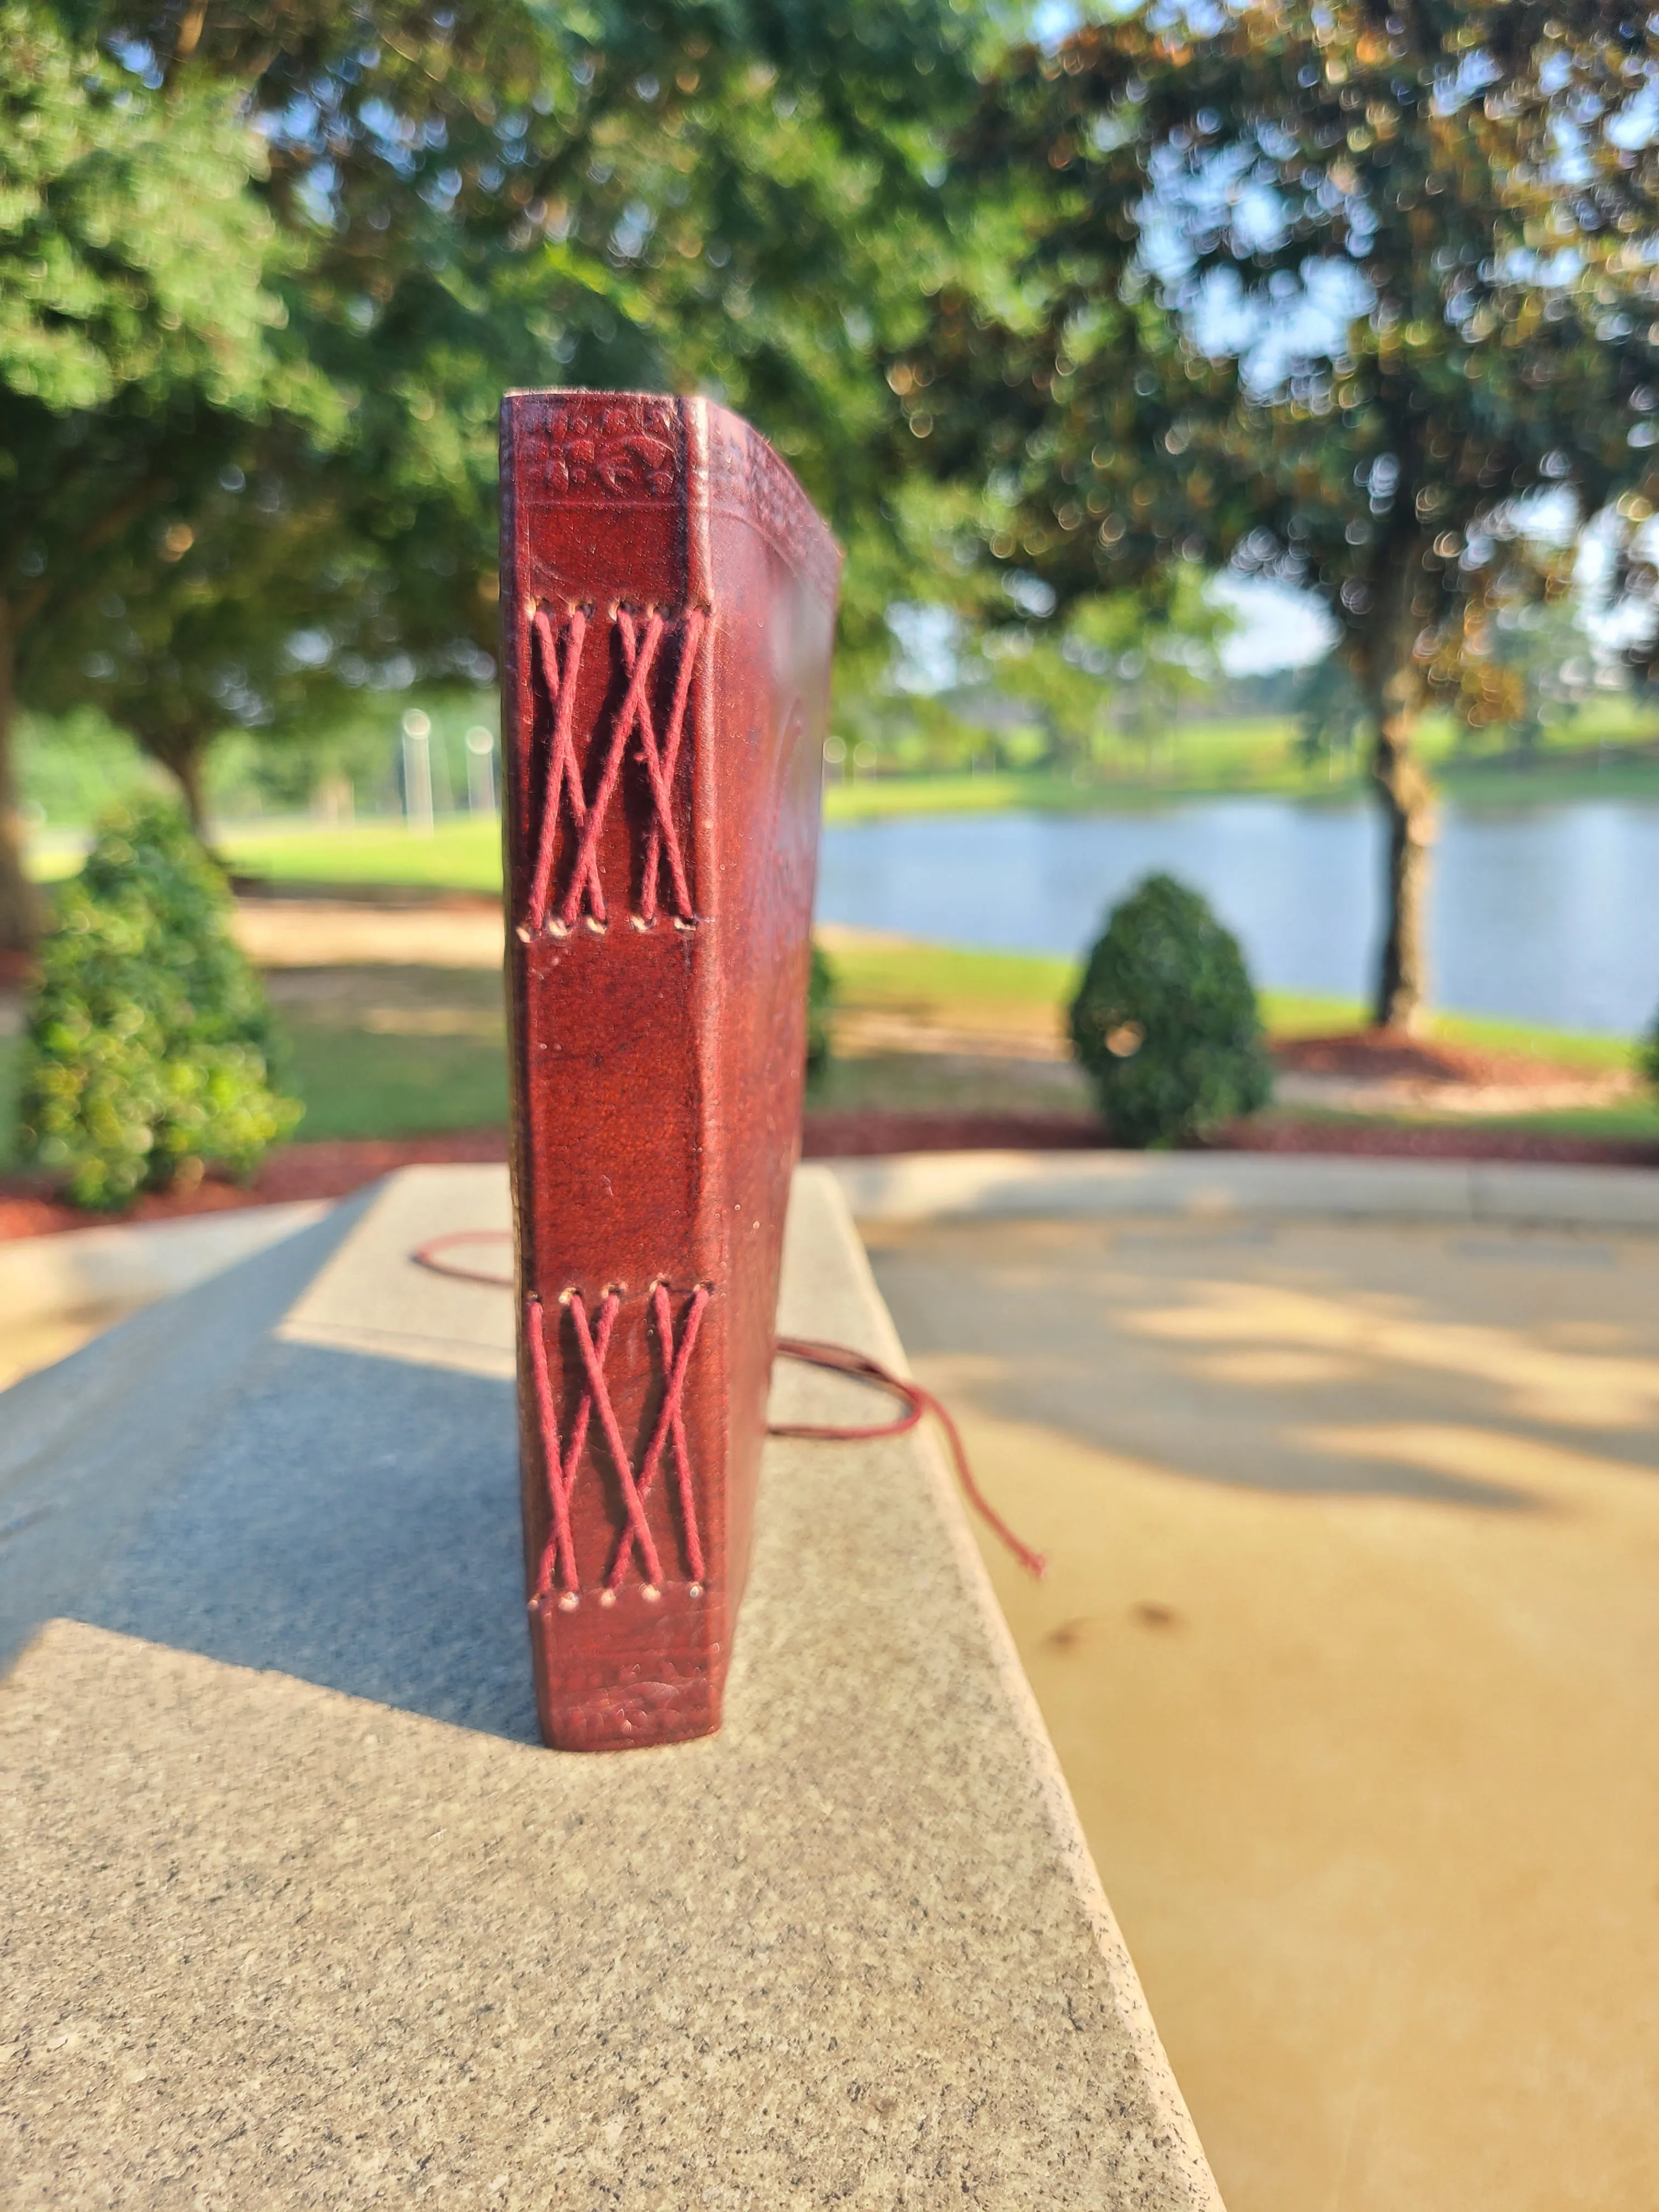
x,y
668,611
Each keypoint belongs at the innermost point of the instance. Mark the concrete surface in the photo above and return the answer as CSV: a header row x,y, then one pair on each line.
x,y
936,1186
294,1914
51,1301
1349,1651
58,1291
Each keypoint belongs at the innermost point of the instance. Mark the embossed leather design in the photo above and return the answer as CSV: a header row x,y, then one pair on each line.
x,y
668,602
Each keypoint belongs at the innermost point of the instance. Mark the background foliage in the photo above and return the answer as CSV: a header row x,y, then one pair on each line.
x,y
1165,1022
151,1052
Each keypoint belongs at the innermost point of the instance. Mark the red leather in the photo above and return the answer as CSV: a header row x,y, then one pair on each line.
x,y
658,1057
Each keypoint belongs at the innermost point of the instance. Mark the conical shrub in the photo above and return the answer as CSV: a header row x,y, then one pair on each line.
x,y
1165,1022
151,1052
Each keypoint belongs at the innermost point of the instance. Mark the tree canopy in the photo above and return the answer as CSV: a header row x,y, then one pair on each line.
x,y
397,212
142,348
1356,297
1410,254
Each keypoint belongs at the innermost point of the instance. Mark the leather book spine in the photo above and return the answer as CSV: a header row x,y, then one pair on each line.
x,y
660,830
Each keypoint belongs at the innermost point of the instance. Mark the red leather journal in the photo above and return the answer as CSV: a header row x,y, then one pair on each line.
x,y
668,601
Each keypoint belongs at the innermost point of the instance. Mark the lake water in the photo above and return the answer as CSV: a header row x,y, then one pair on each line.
x,y
1546,914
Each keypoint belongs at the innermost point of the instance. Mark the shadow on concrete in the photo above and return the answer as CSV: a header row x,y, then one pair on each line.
x,y
352,1520
1199,1442
356,1524
1050,1353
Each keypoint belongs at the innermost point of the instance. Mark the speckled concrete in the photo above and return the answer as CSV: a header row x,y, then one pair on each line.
x,y
266,1942
1217,1186
1349,1648
58,1293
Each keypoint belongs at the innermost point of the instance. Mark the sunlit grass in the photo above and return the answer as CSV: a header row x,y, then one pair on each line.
x,y
361,1083
939,978
464,852
896,971
11,1068
356,1085
1260,754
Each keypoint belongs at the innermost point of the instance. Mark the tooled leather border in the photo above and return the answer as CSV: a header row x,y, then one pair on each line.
x,y
629,451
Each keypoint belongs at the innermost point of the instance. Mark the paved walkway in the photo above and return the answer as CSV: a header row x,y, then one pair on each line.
x,y
1349,1649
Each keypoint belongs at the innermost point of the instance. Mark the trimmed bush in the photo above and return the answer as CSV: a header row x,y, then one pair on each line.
x,y
820,1016
151,1051
1648,1054
1165,1022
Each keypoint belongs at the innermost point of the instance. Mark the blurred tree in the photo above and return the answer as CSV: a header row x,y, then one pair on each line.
x,y
141,346
1555,660
1414,250
741,196
1330,712
1118,668
1006,683
246,619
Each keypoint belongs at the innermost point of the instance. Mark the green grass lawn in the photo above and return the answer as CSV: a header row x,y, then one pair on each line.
x,y
355,1085
1201,759
407,1052
464,852
11,1055
1216,758
360,1084
878,973
943,977
1635,1122
885,798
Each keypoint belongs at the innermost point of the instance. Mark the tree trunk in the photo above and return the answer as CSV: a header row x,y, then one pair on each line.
x,y
188,769
22,913
183,757
1407,797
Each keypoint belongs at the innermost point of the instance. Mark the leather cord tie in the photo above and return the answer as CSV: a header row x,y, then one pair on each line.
x,y
835,1359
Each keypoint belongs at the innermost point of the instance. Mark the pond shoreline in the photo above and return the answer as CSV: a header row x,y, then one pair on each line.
x,y
1546,917
889,797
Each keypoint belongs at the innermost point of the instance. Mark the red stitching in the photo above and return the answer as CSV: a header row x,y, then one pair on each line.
x,y
559,1553
563,780
558,1560
670,1425
585,875
593,1367
665,838
563,791
837,1357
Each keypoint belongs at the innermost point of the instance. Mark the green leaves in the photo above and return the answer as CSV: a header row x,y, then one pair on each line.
x,y
133,253
1487,192
266,272
151,1052
1166,1024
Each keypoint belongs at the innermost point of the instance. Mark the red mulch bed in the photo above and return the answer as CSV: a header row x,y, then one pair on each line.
x,y
334,1169
331,1169
856,1135
1384,1055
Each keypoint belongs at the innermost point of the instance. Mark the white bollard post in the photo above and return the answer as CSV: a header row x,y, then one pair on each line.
x,y
480,770
417,773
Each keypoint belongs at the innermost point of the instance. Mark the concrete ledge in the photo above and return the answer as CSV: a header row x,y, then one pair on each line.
x,y
133,1264
926,1186
294,1914
58,1291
